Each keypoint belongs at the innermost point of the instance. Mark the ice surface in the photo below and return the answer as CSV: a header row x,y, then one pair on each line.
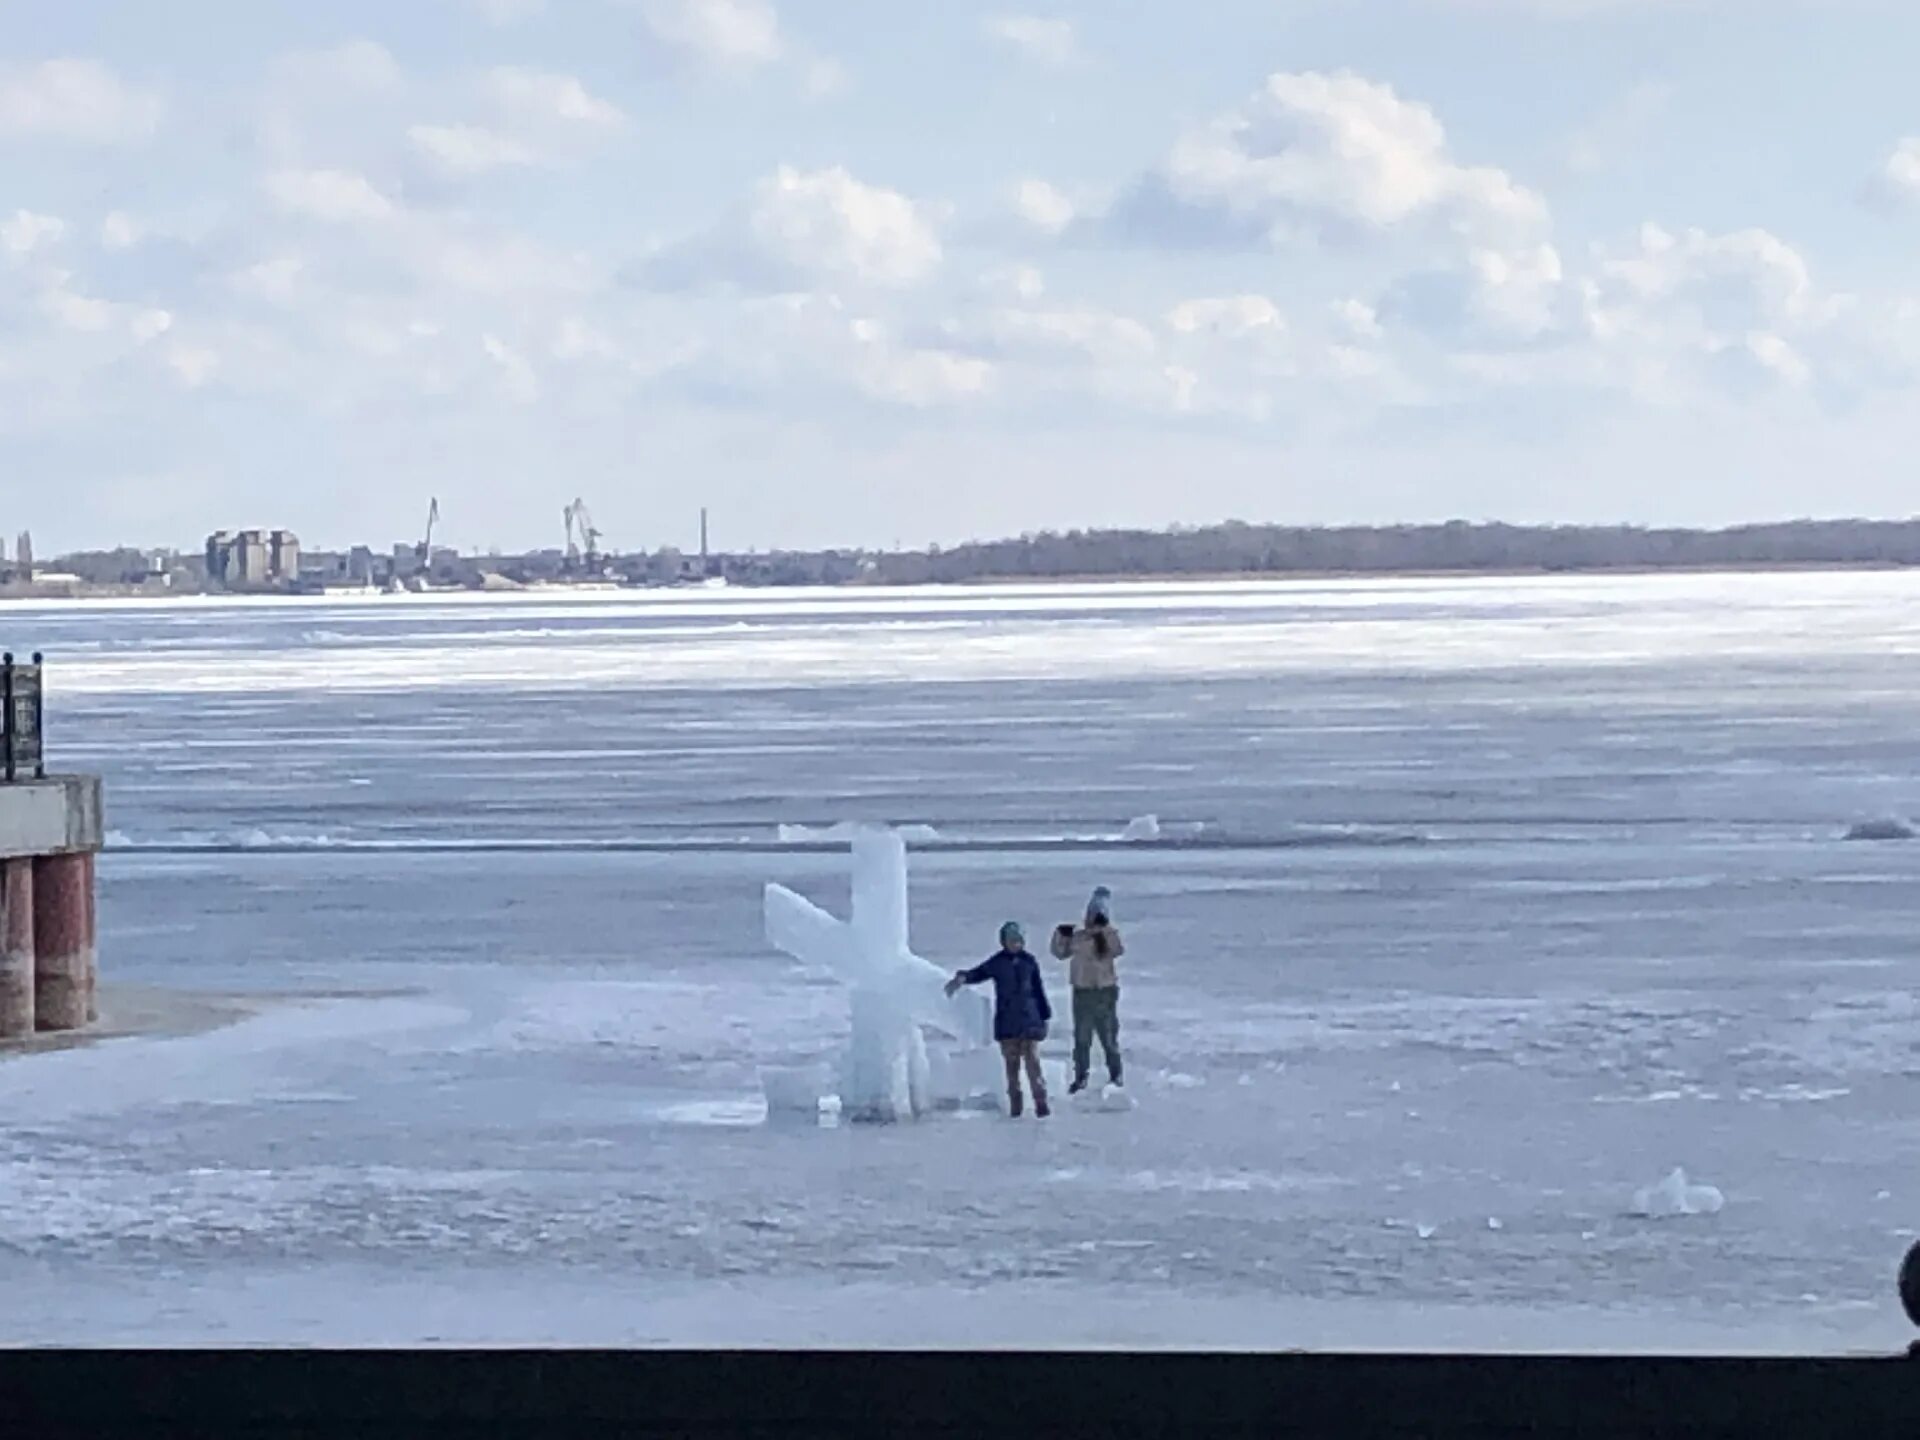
x,y
1674,1197
885,1074
1630,929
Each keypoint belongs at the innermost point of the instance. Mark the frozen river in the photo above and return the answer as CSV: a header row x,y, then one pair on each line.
x,y
1477,907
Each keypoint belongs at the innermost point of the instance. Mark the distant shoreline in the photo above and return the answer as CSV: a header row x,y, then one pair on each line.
x,y
1228,551
81,594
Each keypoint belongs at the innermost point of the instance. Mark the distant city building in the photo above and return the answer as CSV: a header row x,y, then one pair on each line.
x,y
253,559
283,557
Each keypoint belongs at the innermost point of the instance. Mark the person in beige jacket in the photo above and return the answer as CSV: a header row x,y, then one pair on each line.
x,y
1090,951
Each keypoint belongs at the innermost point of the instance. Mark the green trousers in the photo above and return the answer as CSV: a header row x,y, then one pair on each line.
x,y
1096,1012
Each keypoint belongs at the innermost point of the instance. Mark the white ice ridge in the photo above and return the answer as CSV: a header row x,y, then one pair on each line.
x,y
845,830
885,1074
1673,1197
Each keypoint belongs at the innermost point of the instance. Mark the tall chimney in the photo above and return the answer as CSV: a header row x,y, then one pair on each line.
x,y
703,532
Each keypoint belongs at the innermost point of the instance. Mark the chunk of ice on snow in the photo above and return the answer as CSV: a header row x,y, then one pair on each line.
x,y
793,1094
1116,1098
1142,827
1674,1197
1886,827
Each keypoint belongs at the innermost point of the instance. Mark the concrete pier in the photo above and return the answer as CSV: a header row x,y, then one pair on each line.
x,y
62,948
50,831
16,949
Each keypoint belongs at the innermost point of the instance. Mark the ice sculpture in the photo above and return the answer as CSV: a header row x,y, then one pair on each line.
x,y
886,1074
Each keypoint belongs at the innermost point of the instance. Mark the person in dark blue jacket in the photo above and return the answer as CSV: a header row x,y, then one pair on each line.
x,y
1020,1012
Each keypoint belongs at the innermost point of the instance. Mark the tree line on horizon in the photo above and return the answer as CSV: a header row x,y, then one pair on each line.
x,y
1239,548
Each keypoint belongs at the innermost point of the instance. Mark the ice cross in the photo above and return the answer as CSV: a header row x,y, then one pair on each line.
x,y
892,992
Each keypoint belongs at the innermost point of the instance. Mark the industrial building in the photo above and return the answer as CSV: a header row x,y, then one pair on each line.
x,y
253,559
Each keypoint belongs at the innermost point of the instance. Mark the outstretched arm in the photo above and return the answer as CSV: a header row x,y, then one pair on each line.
x,y
980,972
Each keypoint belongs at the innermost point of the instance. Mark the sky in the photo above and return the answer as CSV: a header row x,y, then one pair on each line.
x,y
878,272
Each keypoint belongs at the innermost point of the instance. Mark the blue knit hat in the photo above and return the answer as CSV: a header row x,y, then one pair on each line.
x,y
1102,903
1011,935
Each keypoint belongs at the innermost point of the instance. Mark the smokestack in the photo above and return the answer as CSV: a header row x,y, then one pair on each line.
x,y
703,532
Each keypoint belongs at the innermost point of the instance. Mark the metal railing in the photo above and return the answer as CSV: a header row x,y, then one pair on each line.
x,y
23,753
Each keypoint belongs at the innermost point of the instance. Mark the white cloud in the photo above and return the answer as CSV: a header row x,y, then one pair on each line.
x,y
274,279
470,149
192,365
1072,336
1518,292
1047,42
149,325
1900,177
725,34
740,38
81,100
827,222
1011,282
517,375
1691,309
361,65
119,231
1777,356
918,378
1357,319
508,12
1317,152
803,348
577,340
1042,206
27,232
77,312
542,96
497,264
336,196
87,315
1233,316
822,76
1723,283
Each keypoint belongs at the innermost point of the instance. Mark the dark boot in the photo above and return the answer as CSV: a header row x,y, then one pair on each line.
x,y
1079,1084
1040,1108
1016,1103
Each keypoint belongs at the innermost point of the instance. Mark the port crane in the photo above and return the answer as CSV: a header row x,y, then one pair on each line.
x,y
580,523
423,552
